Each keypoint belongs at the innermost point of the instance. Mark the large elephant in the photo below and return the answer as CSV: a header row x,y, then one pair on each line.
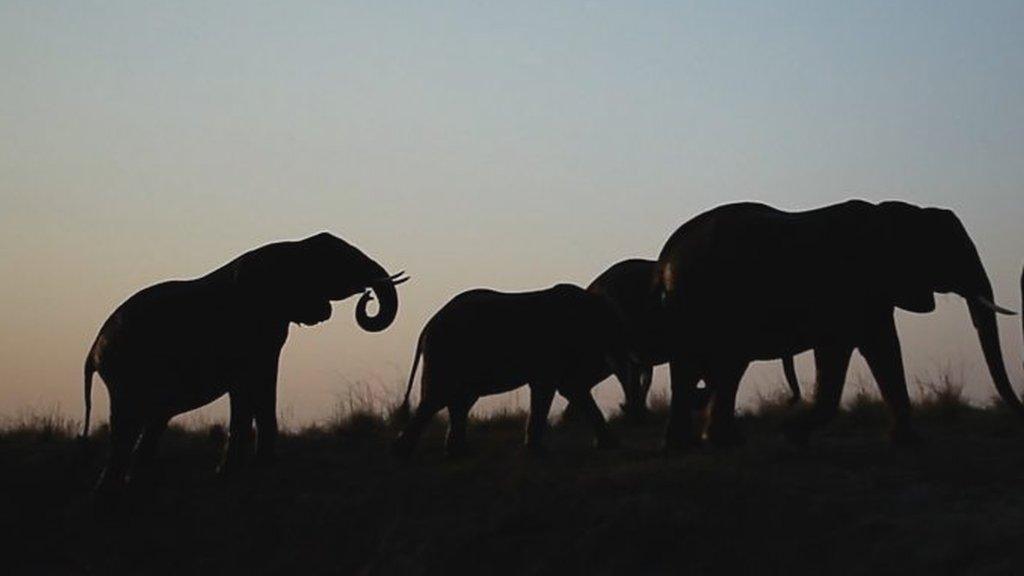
x,y
485,342
627,286
747,282
181,344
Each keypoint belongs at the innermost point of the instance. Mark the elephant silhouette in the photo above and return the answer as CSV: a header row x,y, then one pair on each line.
x,y
746,282
630,287
484,342
181,344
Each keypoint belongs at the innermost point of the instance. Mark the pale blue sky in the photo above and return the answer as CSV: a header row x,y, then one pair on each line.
x,y
510,145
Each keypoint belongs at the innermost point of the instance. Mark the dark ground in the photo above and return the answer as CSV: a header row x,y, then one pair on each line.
x,y
338,504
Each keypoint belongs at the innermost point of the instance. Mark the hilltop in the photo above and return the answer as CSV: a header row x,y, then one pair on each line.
x,y
337,503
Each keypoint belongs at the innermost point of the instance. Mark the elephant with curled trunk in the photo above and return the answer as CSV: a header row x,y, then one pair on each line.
x,y
627,286
181,344
486,342
747,282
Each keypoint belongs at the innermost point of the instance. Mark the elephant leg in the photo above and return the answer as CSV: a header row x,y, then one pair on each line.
x,y
264,383
794,383
570,414
146,451
724,381
458,414
406,441
603,438
241,431
831,364
125,427
646,378
883,354
541,396
639,377
680,434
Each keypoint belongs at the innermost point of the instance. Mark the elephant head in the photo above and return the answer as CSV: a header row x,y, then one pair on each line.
x,y
928,250
299,279
619,354
629,287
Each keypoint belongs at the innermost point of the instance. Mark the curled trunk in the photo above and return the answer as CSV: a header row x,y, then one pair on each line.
x,y
387,306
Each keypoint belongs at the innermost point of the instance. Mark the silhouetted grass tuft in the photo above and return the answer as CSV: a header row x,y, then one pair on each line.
x,y
48,425
943,398
501,419
864,409
774,406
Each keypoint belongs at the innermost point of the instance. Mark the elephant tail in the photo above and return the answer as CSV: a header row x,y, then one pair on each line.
x,y
794,383
402,412
90,369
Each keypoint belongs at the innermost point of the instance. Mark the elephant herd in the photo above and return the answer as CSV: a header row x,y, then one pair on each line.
x,y
738,283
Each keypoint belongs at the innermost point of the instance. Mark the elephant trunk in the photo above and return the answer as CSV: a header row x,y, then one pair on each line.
x,y
984,318
387,305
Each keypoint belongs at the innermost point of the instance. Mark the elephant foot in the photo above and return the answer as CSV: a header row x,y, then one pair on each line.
x,y
726,436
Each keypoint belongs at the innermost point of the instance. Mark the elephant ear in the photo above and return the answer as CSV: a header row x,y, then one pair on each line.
x,y
919,301
902,248
272,281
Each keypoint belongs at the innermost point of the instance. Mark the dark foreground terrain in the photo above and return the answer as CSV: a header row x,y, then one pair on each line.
x,y
337,503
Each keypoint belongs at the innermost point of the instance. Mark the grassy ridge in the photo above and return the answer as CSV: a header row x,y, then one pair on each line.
x,y
337,503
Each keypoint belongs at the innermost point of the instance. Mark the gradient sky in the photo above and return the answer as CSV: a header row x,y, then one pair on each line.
x,y
510,145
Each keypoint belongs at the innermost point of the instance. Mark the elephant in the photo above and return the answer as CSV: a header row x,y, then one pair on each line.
x,y
626,286
485,342
746,282
181,344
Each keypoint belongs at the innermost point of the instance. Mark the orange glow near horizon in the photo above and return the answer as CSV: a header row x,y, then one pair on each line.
x,y
511,147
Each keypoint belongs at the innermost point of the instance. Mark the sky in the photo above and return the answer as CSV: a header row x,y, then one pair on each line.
x,y
510,145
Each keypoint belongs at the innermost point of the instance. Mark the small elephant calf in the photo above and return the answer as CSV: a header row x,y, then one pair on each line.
x,y
485,342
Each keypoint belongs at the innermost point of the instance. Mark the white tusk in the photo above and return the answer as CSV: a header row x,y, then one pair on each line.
x,y
394,279
995,307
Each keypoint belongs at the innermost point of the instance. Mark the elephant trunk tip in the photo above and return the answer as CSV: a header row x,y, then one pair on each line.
x,y
984,317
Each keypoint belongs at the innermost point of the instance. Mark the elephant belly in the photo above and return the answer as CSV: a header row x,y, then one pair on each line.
x,y
483,374
471,357
189,396
166,388
770,338
490,386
